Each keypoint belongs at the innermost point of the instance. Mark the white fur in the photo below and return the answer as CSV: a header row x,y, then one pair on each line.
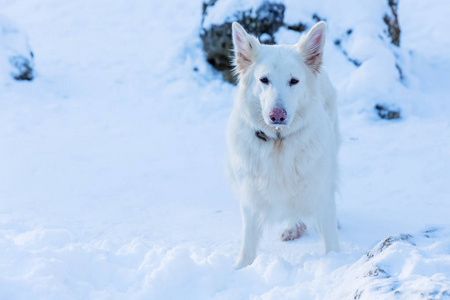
x,y
291,176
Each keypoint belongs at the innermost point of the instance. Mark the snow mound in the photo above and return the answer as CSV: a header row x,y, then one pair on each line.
x,y
402,267
43,238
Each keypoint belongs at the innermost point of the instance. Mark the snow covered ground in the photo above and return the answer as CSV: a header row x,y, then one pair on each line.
x,y
111,163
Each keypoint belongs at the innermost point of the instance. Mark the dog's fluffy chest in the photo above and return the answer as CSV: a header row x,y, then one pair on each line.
x,y
281,172
282,162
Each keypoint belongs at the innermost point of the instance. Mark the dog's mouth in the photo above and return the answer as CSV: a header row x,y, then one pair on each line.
x,y
277,125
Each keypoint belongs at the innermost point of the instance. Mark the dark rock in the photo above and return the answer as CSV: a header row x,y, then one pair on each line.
x,y
377,272
430,233
218,45
23,67
269,18
388,111
317,18
338,44
400,72
15,51
358,294
356,62
393,29
406,238
217,41
300,27
207,4
391,20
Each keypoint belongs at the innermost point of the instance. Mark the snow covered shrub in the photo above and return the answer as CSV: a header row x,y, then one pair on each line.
x,y
16,57
362,55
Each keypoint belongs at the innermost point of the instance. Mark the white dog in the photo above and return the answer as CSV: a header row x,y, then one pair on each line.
x,y
283,138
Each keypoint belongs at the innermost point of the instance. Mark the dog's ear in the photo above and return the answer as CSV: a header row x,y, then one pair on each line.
x,y
311,46
245,48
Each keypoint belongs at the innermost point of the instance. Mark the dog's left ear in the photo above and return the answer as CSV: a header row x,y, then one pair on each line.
x,y
311,46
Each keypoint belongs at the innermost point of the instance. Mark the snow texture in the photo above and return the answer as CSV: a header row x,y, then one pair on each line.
x,y
112,181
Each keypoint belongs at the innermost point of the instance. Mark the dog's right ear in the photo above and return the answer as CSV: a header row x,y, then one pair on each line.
x,y
311,46
245,48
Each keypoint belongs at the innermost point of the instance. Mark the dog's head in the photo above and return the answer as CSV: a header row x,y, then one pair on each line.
x,y
280,77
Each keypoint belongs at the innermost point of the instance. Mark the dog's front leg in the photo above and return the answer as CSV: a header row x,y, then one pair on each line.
x,y
327,224
251,232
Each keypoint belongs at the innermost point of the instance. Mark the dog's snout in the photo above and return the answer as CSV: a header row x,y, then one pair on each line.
x,y
277,115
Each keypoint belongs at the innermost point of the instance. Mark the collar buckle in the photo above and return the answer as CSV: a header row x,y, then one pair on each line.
x,y
261,135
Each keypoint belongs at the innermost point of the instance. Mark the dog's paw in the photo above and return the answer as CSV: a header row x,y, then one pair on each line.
x,y
242,263
294,233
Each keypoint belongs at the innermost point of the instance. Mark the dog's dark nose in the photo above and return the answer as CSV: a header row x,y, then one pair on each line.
x,y
277,115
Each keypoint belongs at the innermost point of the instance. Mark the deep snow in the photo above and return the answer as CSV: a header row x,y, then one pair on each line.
x,y
111,175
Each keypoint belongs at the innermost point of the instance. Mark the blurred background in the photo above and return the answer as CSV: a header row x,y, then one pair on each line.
x,y
112,142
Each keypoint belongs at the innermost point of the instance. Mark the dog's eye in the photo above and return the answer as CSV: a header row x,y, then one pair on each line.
x,y
264,80
293,81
